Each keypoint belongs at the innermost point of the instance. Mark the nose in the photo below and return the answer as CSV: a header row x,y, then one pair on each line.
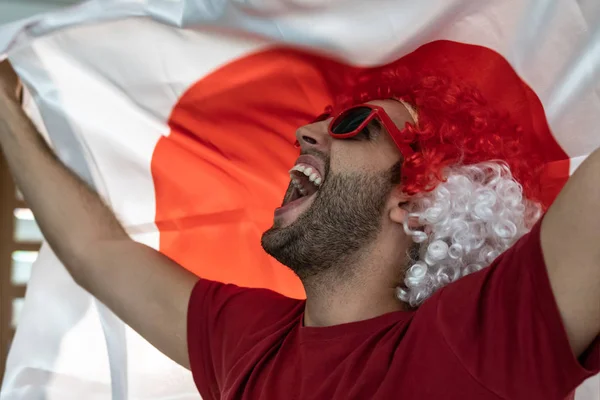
x,y
314,136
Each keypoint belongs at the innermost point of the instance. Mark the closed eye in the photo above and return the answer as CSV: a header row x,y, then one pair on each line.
x,y
375,129
370,132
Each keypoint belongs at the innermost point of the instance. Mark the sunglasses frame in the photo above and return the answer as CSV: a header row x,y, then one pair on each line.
x,y
378,113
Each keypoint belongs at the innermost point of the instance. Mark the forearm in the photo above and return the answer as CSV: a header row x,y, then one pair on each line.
x,y
578,206
71,216
570,233
146,289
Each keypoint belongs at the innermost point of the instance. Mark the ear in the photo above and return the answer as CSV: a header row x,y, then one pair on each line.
x,y
398,201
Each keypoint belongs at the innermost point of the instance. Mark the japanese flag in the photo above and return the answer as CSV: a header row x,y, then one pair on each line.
x,y
182,113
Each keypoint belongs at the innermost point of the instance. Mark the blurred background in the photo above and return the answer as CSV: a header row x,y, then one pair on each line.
x,y
20,237
11,10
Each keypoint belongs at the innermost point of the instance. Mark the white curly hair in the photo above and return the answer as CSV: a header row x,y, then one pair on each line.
x,y
463,225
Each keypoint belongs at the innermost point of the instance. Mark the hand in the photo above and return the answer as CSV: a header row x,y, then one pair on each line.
x,y
11,113
10,85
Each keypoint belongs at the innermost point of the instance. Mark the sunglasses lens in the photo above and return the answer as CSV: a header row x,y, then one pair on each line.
x,y
350,120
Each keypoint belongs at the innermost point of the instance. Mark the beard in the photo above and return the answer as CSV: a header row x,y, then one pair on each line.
x,y
344,219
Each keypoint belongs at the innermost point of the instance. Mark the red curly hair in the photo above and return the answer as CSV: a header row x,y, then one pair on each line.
x,y
456,126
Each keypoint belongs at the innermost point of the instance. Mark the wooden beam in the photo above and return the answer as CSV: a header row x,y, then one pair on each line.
x,y
17,292
26,246
20,204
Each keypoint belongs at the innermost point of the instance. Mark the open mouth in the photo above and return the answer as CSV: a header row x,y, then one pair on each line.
x,y
305,181
306,178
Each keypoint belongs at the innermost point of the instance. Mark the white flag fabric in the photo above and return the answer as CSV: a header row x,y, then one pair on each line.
x,y
137,97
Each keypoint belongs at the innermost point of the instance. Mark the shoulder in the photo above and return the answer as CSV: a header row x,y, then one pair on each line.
x,y
228,304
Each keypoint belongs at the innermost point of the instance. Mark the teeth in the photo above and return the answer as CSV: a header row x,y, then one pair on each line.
x,y
312,174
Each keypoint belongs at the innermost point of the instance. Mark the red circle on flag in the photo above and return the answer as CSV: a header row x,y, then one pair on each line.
x,y
223,169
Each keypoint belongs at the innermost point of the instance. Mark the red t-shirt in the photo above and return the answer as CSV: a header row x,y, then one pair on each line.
x,y
495,334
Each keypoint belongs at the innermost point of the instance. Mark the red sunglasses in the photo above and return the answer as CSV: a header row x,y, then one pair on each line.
x,y
353,120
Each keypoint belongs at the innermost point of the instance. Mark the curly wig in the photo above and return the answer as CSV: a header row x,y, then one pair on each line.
x,y
472,179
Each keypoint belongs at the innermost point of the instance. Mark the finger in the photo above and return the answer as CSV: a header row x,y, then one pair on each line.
x,y
8,78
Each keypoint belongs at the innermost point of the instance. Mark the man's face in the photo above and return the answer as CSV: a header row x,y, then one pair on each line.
x,y
338,193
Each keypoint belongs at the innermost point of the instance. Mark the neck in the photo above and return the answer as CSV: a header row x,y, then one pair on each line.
x,y
366,290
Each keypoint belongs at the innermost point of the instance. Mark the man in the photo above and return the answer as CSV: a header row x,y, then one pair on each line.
x,y
399,193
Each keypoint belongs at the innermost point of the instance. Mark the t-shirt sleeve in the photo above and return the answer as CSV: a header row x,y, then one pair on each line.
x,y
503,325
225,321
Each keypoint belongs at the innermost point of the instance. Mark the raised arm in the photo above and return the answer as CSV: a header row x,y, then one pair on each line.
x,y
571,245
144,288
